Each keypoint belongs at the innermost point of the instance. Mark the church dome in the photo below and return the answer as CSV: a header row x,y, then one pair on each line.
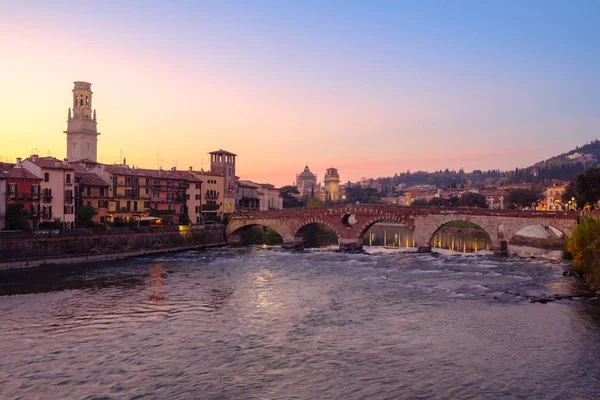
x,y
306,174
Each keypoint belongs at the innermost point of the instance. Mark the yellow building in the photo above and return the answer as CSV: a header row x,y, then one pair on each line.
x,y
554,200
332,185
92,190
213,194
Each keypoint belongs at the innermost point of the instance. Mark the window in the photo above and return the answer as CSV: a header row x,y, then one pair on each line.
x,y
89,191
197,186
89,203
128,205
12,190
46,177
101,191
135,206
35,191
68,178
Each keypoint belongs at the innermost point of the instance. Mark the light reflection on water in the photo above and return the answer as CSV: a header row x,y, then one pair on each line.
x,y
266,323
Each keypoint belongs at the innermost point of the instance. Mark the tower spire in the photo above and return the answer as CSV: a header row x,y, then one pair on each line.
x,y
82,134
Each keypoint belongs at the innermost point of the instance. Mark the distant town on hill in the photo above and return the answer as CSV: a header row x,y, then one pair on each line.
x,y
562,167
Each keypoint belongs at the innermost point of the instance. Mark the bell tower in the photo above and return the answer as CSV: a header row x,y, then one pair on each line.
x,y
82,134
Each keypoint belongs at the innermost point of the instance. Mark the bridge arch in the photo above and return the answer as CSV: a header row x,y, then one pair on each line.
x,y
238,234
308,233
481,238
427,226
364,228
297,231
550,234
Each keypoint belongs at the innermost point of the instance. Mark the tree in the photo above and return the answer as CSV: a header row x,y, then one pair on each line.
x,y
314,203
362,195
17,217
288,194
586,188
523,198
475,200
85,215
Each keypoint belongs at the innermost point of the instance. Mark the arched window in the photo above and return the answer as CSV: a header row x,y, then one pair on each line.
x,y
87,101
76,101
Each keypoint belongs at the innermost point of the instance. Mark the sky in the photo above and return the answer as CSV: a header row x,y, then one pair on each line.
x,y
371,88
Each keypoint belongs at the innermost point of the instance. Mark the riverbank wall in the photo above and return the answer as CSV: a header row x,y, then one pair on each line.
x,y
23,251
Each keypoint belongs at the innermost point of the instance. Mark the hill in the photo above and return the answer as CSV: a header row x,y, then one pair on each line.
x,y
561,167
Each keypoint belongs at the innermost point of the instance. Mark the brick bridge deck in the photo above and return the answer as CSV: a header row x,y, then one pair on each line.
x,y
351,222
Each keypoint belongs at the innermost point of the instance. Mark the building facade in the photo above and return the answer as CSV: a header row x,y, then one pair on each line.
x,y
212,195
554,200
269,197
91,190
82,133
19,186
57,189
247,196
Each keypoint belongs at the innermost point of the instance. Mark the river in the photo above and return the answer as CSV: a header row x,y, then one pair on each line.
x,y
263,323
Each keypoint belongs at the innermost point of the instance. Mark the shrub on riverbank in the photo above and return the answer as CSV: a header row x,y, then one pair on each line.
x,y
584,246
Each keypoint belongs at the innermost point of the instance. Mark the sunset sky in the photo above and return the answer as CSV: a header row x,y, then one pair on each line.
x,y
371,88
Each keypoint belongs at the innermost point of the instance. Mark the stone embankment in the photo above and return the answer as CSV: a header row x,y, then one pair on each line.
x,y
79,246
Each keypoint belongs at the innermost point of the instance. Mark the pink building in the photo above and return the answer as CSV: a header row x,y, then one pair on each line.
x,y
57,188
19,186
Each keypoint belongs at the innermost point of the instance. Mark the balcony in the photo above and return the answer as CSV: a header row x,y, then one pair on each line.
x,y
22,196
162,212
210,207
212,196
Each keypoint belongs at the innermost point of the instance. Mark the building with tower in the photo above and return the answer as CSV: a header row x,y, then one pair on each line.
x,y
82,133
332,185
223,163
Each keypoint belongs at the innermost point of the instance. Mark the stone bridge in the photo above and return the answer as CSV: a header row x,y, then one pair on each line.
x,y
351,222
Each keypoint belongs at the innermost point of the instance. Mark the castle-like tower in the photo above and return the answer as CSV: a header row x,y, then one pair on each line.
x,y
223,163
82,135
332,185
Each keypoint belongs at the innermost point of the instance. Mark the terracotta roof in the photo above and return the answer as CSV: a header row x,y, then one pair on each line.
x,y
248,184
49,163
208,173
9,171
90,179
221,151
152,173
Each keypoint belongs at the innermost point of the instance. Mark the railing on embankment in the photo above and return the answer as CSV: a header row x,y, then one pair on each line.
x,y
75,243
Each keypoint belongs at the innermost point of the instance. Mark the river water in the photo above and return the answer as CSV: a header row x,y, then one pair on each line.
x,y
262,323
